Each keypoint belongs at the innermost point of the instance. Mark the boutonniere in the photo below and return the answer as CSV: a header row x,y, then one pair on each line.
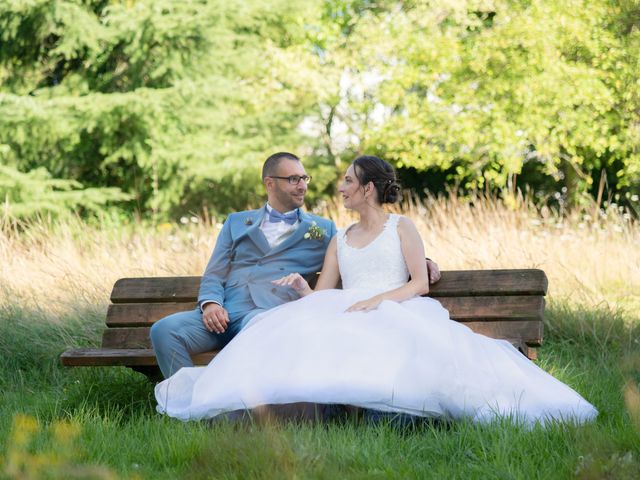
x,y
248,221
315,232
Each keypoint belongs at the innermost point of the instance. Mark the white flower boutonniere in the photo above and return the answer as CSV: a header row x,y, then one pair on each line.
x,y
315,232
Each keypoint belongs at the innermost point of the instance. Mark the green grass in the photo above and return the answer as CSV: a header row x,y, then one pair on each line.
x,y
101,422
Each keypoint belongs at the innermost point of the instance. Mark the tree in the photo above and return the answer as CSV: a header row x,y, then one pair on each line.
x,y
485,89
175,103
33,194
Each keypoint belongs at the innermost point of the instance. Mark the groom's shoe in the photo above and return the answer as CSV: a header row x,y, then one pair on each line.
x,y
236,416
394,419
298,412
289,412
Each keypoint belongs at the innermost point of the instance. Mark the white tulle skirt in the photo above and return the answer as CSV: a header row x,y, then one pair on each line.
x,y
402,357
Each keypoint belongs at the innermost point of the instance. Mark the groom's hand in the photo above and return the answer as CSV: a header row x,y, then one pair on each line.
x,y
433,271
215,318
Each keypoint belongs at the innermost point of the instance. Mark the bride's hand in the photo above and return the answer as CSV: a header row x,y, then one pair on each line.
x,y
295,281
365,305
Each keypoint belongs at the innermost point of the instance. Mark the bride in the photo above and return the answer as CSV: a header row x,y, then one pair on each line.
x,y
376,343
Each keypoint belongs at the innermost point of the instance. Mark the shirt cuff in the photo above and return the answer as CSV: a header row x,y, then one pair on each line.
x,y
206,302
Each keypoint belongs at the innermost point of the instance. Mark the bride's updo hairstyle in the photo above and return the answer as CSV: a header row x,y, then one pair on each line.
x,y
373,169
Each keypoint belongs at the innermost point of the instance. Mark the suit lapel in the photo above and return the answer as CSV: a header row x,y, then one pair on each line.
x,y
254,232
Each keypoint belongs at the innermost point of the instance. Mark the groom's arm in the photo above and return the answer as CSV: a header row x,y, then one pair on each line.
x,y
215,275
332,229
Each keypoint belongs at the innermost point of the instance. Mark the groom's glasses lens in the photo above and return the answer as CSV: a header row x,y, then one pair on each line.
x,y
294,179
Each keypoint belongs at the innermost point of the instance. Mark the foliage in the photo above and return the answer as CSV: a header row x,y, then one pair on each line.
x,y
178,103
62,461
487,90
33,194
168,101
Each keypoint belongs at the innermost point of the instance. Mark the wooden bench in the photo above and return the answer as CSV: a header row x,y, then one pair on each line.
x,y
506,304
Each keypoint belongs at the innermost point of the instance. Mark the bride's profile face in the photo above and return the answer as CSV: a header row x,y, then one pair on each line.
x,y
351,189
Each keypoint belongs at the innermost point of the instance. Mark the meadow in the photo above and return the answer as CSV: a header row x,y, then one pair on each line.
x,y
55,281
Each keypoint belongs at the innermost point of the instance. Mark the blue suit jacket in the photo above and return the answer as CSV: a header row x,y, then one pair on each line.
x,y
242,265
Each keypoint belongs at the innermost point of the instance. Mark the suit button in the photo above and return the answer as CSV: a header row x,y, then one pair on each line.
x,y
259,263
273,290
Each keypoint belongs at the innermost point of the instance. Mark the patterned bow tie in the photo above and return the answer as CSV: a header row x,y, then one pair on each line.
x,y
290,218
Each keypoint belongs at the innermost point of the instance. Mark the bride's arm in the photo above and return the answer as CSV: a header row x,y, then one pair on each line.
x,y
413,252
329,276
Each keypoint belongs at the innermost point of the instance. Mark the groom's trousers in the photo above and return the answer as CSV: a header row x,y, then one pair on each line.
x,y
177,336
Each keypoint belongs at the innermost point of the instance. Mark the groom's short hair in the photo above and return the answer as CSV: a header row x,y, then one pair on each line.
x,y
271,163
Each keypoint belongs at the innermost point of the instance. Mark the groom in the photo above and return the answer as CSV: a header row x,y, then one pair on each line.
x,y
253,248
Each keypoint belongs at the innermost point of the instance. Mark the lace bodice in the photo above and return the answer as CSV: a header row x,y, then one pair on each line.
x,y
379,265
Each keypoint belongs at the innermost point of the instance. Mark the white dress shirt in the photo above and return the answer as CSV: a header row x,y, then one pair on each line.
x,y
276,233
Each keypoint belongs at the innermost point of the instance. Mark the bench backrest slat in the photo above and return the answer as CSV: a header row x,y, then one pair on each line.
x,y
494,308
155,289
142,314
461,309
471,283
454,283
529,331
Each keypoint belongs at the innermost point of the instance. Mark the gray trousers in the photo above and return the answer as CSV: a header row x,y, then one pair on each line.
x,y
183,333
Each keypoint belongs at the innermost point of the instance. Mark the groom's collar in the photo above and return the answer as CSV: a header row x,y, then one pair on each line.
x,y
262,212
269,208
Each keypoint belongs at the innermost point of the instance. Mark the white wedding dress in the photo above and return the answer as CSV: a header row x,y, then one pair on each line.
x,y
402,357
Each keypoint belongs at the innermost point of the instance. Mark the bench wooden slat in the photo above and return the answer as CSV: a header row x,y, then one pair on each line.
x,y
137,337
453,283
528,330
125,357
507,304
145,357
142,314
494,308
460,309
503,282
155,289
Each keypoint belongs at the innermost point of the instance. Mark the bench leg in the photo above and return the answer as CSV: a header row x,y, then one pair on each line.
x,y
530,352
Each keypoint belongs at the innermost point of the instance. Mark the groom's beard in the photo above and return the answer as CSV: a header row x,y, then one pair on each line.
x,y
291,200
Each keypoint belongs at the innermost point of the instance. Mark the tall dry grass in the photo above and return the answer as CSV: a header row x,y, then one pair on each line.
x,y
60,273
590,261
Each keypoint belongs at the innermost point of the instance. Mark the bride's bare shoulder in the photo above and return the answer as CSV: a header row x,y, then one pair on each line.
x,y
406,226
405,222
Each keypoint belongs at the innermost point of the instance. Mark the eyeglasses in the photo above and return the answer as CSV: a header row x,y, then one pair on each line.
x,y
294,179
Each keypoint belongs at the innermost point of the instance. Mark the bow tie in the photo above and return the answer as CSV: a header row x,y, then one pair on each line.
x,y
290,218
